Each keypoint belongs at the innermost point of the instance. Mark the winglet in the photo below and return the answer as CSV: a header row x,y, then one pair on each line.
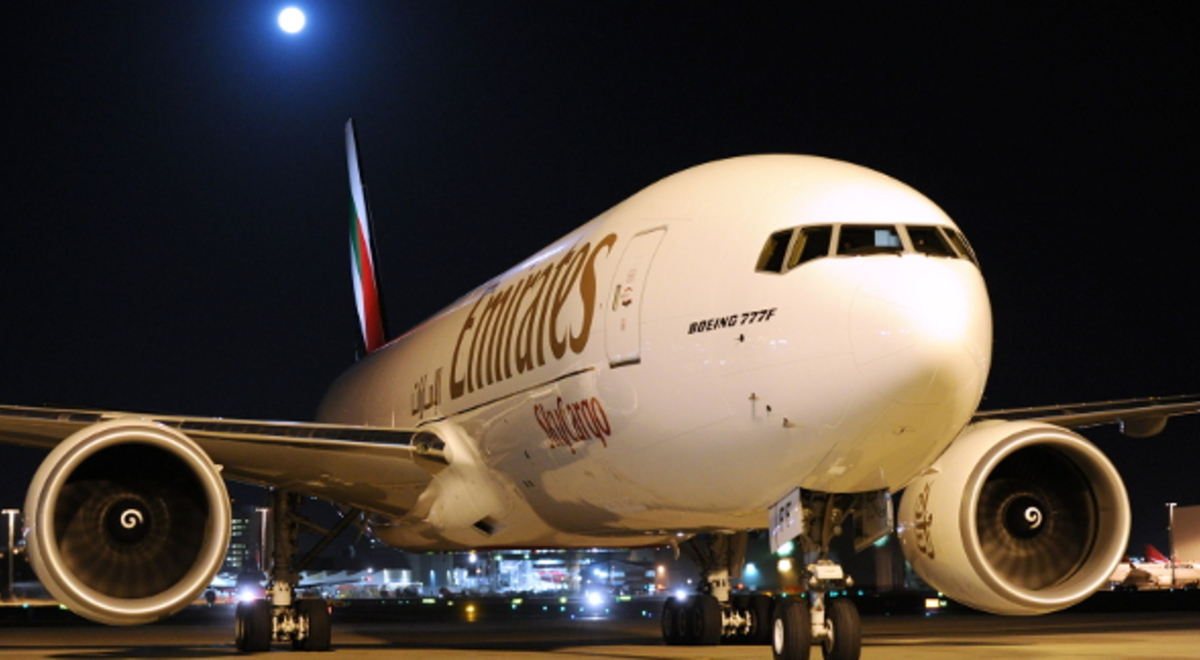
x,y
362,254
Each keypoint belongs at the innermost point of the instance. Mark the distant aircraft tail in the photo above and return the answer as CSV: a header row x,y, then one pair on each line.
x,y
1154,556
371,320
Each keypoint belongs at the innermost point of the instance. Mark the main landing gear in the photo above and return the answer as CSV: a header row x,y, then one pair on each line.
x,y
792,626
714,616
281,617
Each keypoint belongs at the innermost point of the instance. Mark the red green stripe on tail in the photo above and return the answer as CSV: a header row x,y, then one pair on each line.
x,y
362,254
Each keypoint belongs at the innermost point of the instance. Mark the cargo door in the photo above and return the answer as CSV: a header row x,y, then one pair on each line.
x,y
623,334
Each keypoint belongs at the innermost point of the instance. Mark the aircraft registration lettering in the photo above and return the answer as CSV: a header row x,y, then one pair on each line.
x,y
510,327
760,316
567,425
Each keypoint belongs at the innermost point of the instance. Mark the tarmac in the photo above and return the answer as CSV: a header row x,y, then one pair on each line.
x,y
504,631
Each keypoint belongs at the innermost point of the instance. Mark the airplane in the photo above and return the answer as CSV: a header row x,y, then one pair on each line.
x,y
767,342
1157,572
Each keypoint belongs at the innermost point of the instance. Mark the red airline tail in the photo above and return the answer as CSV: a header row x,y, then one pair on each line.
x,y
1154,556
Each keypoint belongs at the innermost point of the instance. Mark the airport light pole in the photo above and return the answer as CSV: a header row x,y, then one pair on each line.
x,y
12,514
1171,539
262,512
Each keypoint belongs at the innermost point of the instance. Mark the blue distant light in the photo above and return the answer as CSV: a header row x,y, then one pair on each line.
x,y
291,20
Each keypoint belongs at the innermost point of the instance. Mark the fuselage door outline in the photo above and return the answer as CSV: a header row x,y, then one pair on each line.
x,y
623,316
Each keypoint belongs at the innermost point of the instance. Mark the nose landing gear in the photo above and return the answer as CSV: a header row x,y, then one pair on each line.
x,y
791,626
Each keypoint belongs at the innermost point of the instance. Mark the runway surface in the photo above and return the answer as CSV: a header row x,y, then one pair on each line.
x,y
208,634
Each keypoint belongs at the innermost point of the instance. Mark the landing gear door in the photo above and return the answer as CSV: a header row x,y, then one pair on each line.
x,y
875,519
622,334
786,520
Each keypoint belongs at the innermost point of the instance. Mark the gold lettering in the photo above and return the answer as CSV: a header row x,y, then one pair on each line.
x,y
526,328
486,337
548,290
572,266
503,334
459,387
587,291
513,323
512,327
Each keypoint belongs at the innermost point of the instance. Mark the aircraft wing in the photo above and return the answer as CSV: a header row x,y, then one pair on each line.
x,y
378,469
1138,418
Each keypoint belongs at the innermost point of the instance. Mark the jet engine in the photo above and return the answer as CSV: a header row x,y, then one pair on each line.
x,y
128,521
1016,518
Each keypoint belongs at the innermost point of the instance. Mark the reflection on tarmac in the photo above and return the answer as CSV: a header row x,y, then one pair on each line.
x,y
502,631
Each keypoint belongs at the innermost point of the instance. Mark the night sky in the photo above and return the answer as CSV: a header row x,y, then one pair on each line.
x,y
175,202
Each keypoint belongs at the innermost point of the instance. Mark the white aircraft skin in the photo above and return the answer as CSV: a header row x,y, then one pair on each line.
x,y
564,427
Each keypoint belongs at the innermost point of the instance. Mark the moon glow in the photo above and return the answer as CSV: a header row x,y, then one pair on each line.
x,y
291,20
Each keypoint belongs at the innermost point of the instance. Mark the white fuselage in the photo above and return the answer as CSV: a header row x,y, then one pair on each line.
x,y
1152,575
642,377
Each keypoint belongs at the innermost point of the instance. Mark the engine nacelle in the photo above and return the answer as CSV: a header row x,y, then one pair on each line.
x,y
1016,518
128,522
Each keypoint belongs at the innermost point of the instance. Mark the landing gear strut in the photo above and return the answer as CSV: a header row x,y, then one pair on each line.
x,y
792,626
281,617
833,624
715,616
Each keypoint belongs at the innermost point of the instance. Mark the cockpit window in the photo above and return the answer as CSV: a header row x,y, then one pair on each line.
x,y
960,242
774,252
858,240
812,243
930,241
790,248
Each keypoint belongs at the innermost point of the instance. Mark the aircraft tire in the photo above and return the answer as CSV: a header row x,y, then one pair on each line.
x,y
317,612
252,626
705,618
673,622
791,630
845,631
760,611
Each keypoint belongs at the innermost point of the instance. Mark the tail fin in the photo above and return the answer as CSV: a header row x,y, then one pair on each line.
x,y
1154,556
362,255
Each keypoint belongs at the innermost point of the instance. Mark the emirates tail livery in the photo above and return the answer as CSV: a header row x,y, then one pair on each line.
x,y
768,342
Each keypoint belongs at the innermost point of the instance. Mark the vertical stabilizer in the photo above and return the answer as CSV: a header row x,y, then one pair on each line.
x,y
1154,556
362,254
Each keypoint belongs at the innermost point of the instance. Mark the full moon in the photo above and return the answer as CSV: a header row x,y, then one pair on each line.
x,y
291,20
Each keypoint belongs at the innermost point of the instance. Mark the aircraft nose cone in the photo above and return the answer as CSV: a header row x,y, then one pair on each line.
x,y
921,331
